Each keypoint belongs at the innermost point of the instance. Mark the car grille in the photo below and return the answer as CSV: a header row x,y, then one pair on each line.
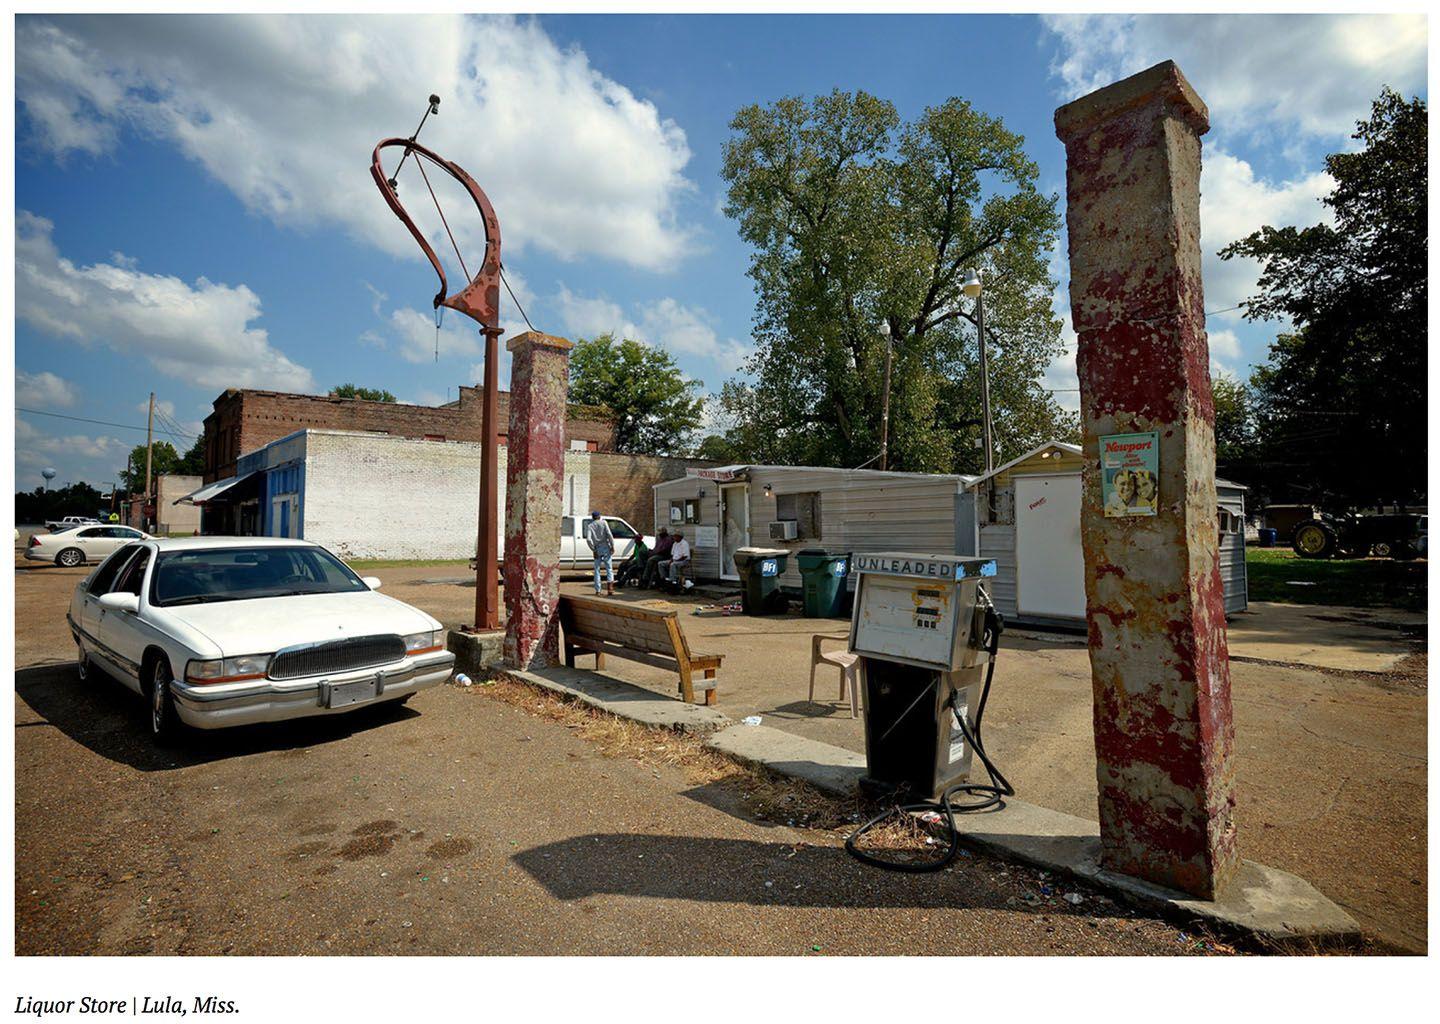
x,y
337,656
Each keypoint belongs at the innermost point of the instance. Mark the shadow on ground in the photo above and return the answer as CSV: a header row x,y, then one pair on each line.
x,y
767,874
113,721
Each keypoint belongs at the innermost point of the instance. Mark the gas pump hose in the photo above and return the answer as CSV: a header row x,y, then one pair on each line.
x,y
991,793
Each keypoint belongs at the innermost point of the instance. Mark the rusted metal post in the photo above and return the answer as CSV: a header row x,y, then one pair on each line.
x,y
487,545
1164,739
534,479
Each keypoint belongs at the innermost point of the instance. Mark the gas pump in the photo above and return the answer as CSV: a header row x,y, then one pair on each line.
x,y
926,632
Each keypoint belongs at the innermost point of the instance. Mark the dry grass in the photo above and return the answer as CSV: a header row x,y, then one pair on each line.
x,y
767,796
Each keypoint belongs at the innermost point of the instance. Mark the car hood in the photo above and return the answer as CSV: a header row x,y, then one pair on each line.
x,y
265,625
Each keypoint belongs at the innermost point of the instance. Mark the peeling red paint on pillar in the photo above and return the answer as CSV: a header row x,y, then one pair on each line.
x,y
534,477
1164,739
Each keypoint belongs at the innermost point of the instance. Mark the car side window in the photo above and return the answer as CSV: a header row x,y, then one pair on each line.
x,y
104,576
92,533
620,529
134,575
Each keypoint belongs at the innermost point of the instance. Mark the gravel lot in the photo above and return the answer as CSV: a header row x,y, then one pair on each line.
x,y
411,830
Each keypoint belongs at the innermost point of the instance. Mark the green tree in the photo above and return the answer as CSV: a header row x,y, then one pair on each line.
x,y
1237,454
858,219
41,504
364,394
1340,404
193,462
164,459
656,409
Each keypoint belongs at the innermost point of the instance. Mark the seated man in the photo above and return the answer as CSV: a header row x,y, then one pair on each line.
x,y
660,555
679,562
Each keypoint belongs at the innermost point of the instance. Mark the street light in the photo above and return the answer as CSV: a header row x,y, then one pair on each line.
x,y
971,286
885,400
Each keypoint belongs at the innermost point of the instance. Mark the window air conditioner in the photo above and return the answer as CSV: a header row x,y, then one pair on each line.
x,y
785,529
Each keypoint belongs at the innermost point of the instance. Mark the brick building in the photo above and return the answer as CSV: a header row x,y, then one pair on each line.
x,y
245,420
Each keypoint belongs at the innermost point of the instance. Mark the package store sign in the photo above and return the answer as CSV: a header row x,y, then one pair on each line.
x,y
1130,474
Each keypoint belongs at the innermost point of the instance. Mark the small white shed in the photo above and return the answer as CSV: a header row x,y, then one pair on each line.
x,y
1034,536
842,511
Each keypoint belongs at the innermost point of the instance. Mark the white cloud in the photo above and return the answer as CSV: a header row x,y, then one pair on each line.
x,y
1233,203
198,333
1315,74
44,389
76,456
418,340
284,111
665,323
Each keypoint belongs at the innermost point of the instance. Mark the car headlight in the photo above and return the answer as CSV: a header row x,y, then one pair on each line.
x,y
424,643
228,670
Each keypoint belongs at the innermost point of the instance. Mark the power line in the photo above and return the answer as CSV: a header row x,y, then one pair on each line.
x,y
103,423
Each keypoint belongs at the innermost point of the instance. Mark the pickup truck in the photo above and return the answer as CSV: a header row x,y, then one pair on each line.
x,y
69,523
575,549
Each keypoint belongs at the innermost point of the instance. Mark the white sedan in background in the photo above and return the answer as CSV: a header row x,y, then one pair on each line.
x,y
81,544
222,631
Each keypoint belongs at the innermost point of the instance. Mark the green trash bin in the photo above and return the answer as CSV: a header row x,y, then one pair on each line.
x,y
824,578
759,570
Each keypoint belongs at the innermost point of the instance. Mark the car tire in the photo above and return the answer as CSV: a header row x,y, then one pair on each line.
x,y
69,558
165,725
82,662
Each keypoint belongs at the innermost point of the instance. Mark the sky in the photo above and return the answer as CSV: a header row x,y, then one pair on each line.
x,y
194,210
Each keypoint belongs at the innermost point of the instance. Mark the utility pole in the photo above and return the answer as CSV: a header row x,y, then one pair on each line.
x,y
149,452
885,401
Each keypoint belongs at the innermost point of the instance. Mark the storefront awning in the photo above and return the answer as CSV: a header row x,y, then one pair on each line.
x,y
210,491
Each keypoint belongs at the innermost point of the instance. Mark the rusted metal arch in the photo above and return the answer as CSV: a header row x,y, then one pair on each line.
x,y
480,298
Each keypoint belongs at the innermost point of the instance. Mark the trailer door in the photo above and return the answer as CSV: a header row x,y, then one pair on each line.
x,y
1050,575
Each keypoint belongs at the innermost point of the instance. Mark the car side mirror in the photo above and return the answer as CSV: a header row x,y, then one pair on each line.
x,y
373,582
120,601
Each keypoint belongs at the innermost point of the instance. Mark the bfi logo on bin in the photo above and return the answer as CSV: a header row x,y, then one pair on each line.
x,y
769,567
840,567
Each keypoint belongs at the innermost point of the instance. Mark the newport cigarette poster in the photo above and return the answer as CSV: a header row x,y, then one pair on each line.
x,y
1130,474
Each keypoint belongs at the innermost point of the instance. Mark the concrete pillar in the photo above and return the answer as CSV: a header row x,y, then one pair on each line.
x,y
1154,602
534,478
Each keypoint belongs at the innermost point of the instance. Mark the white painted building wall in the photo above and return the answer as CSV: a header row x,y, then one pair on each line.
x,y
378,496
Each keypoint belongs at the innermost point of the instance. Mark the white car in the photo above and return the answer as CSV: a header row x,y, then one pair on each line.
x,y
81,544
222,631
575,550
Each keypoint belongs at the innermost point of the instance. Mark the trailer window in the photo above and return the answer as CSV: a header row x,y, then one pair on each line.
x,y
804,508
687,511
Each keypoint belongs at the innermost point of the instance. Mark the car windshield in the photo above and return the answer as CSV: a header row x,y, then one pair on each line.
x,y
243,574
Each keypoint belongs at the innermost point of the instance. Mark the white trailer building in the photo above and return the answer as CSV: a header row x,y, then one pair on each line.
x,y
1032,530
725,508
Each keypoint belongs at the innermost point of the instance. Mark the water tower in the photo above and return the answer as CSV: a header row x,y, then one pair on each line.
x,y
49,474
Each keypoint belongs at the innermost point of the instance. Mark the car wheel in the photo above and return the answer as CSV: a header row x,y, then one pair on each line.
x,y
82,661
70,558
165,725
1314,540
1382,550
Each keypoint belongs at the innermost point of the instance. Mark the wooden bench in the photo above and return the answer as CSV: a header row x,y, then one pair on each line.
x,y
593,625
